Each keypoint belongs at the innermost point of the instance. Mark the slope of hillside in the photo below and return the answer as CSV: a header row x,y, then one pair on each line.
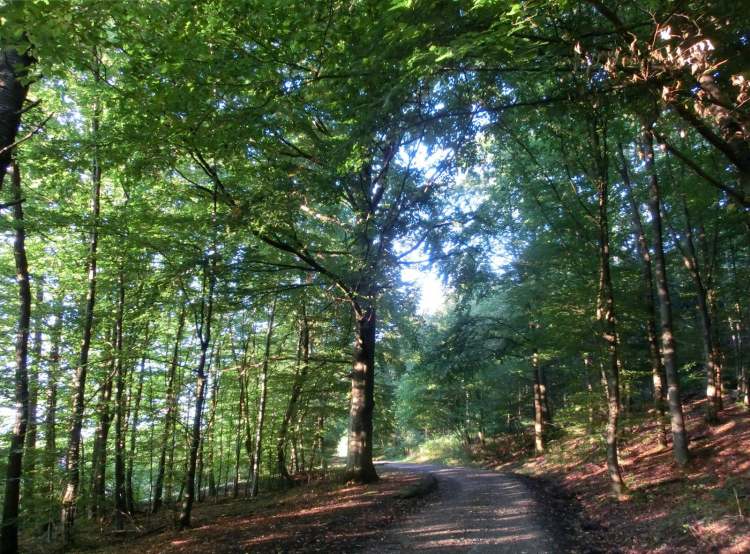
x,y
702,508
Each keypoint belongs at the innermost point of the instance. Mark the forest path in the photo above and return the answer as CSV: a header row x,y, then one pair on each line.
x,y
473,511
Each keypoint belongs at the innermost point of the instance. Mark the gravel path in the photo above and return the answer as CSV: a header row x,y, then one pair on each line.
x,y
472,511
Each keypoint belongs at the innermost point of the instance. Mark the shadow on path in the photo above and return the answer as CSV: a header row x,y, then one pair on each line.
x,y
473,511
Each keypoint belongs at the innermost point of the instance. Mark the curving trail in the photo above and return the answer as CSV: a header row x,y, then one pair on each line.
x,y
472,511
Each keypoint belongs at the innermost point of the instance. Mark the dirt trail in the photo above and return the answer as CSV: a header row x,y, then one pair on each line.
x,y
473,511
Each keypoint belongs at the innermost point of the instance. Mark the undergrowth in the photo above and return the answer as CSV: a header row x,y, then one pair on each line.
x,y
443,449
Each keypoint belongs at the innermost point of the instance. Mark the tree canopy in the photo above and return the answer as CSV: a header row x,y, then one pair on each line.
x,y
208,208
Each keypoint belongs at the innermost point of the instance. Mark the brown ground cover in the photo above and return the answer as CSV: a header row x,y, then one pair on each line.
x,y
703,508
320,517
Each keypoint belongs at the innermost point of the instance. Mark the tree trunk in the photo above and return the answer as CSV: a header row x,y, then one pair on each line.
x,y
250,435
211,431
544,391
169,417
31,431
649,303
587,363
240,429
359,466
243,430
679,432
13,69
72,462
13,471
709,351
121,507
189,482
129,495
99,451
322,445
204,335
738,329
605,315
50,419
303,360
262,403
743,395
199,471
539,421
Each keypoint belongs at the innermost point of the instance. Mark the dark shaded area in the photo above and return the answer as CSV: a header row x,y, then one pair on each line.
x,y
564,517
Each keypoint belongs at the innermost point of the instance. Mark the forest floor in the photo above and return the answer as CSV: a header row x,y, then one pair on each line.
x,y
559,502
317,517
703,508
413,507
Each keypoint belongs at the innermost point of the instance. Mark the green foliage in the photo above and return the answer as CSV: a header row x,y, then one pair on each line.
x,y
280,149
443,449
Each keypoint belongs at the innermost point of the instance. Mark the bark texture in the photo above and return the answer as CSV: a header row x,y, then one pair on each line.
x,y
291,410
204,335
668,349
13,69
72,461
169,417
605,315
359,466
120,418
13,472
263,394
649,302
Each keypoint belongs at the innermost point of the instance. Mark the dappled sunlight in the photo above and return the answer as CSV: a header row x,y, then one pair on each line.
x,y
474,510
662,496
320,515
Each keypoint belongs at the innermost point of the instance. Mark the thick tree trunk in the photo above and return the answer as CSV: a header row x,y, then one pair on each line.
x,y
303,355
13,69
668,350
13,471
121,507
359,466
262,395
169,417
72,461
